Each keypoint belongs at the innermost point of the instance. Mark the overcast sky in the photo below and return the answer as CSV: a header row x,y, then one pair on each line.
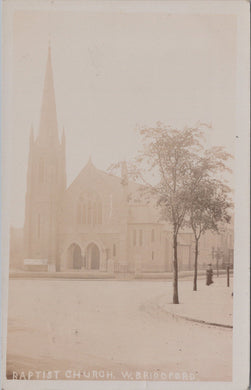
x,y
113,71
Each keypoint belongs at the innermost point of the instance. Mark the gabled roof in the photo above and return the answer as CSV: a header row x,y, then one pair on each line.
x,y
112,181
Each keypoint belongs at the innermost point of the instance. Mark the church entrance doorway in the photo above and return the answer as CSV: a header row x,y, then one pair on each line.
x,y
75,259
93,256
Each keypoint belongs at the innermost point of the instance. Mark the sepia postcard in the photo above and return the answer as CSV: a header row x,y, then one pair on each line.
x,y
125,194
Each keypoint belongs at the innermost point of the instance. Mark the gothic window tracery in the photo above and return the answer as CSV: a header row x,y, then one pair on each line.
x,y
89,209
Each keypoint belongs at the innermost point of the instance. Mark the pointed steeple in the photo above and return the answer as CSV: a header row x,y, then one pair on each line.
x,y
31,135
63,161
30,161
90,166
63,137
46,180
48,127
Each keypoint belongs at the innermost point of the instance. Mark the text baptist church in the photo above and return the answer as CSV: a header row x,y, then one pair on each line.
x,y
99,222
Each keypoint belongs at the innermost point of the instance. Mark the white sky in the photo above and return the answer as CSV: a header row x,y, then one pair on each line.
x,y
113,71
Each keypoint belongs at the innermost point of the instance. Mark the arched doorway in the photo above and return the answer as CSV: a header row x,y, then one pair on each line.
x,y
93,256
77,258
74,257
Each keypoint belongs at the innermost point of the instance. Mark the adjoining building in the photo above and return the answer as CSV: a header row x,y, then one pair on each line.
x,y
100,222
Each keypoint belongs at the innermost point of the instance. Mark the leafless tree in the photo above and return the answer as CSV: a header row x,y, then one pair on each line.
x,y
210,201
174,168
162,168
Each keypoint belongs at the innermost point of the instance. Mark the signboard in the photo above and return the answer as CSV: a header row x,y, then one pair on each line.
x,y
35,261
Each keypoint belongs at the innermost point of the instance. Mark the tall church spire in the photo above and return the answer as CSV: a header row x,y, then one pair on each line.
x,y
46,180
48,127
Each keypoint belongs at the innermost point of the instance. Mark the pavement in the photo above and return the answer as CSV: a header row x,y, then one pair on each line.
x,y
211,305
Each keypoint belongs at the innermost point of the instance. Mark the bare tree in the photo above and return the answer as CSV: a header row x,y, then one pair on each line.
x,y
209,195
209,208
163,167
175,170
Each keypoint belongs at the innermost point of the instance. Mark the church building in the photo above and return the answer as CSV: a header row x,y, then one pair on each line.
x,y
100,222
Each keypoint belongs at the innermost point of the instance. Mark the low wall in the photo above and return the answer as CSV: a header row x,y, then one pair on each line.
x,y
181,274
104,275
59,275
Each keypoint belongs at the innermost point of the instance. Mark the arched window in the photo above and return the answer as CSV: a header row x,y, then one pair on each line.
x,y
140,237
38,226
95,213
153,235
79,211
41,170
84,214
100,213
114,250
89,212
134,237
89,209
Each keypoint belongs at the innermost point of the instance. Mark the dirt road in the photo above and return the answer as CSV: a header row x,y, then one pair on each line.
x,y
113,326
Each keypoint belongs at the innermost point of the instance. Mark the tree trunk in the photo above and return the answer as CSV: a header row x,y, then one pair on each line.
x,y
195,265
175,270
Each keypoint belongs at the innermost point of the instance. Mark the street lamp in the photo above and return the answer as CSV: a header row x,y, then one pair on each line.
x,y
216,254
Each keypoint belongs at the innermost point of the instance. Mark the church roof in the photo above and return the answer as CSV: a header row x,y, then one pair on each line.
x,y
140,210
111,180
142,213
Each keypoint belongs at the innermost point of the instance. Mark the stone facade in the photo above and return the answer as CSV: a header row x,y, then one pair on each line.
x,y
100,222
100,227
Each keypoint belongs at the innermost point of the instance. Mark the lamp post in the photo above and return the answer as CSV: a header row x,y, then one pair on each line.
x,y
228,283
213,254
218,255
